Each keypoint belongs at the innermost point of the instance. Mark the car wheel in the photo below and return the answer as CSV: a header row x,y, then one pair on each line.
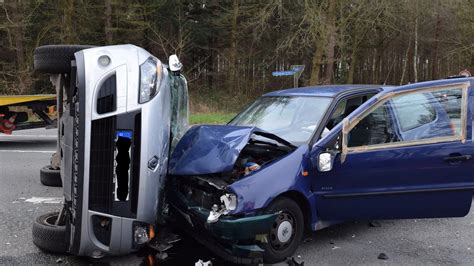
x,y
286,232
55,59
50,177
48,236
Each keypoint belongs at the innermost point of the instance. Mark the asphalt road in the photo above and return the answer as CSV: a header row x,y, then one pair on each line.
x,y
22,198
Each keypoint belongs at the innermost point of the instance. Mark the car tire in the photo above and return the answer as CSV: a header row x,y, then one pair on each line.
x,y
280,245
48,236
50,177
55,59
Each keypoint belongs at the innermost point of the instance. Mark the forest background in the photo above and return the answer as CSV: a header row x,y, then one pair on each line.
x,y
230,48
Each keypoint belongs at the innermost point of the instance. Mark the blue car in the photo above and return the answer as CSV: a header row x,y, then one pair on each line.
x,y
302,159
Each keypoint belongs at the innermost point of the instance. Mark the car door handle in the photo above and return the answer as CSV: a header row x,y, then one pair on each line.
x,y
458,158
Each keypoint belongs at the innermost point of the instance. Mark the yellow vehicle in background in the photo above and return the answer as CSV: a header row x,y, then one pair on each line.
x,y
19,112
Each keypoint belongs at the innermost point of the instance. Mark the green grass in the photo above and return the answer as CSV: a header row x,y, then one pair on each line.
x,y
211,118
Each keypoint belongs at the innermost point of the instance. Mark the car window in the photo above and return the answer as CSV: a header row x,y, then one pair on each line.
x,y
343,109
414,110
410,116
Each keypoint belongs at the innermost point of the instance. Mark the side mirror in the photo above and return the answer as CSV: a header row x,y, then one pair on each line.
x,y
325,161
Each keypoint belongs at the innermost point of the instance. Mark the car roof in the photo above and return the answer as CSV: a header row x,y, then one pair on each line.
x,y
324,90
431,83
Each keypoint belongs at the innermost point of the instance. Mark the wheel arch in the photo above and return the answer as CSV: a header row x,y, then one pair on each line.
x,y
302,202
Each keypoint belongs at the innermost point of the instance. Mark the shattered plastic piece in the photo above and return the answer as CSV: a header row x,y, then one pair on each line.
x,y
382,256
375,224
230,202
214,214
162,255
202,263
295,262
159,245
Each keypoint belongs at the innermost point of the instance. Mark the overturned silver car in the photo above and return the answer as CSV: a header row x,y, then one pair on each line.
x,y
122,111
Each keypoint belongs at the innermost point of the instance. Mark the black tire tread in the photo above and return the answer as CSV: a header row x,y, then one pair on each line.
x,y
50,177
49,238
278,204
55,59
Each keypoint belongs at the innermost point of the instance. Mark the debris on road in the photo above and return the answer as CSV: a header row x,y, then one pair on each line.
x,y
295,261
202,263
382,256
375,224
59,260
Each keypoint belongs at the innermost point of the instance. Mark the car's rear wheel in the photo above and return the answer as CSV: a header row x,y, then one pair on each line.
x,y
47,235
55,59
286,232
50,177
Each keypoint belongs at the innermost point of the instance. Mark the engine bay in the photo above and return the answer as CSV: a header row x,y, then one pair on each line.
x,y
206,190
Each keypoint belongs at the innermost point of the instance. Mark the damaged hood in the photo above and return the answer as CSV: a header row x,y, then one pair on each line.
x,y
210,149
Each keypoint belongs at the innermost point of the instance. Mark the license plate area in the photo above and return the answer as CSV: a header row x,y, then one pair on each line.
x,y
122,164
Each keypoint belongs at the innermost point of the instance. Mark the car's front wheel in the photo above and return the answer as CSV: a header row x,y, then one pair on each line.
x,y
286,231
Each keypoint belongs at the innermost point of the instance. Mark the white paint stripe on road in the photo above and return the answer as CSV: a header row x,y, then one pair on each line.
x,y
47,200
27,151
33,136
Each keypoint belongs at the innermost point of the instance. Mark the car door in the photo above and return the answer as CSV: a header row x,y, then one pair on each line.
x,y
407,156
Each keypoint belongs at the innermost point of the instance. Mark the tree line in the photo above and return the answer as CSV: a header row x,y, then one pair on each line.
x,y
232,47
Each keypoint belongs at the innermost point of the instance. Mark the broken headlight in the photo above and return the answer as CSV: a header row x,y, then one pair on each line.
x,y
150,77
229,203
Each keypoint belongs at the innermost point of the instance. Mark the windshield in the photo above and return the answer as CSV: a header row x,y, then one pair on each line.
x,y
291,118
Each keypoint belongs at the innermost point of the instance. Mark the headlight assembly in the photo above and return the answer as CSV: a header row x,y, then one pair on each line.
x,y
229,203
150,77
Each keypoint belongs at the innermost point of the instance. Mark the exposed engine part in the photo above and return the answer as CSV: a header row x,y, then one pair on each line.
x,y
209,191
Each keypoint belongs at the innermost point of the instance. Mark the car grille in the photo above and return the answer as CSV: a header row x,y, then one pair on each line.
x,y
102,165
104,180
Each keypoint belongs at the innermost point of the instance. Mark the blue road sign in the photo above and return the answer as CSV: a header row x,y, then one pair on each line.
x,y
283,73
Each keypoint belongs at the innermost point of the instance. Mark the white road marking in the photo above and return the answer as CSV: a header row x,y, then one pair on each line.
x,y
28,136
27,151
46,200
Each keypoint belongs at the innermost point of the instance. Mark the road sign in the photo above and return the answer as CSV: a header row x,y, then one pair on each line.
x,y
295,71
283,73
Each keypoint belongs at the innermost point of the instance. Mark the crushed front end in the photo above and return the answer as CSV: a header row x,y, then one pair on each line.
x,y
205,163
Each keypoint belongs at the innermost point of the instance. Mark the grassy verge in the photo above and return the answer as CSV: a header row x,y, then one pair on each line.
x,y
211,118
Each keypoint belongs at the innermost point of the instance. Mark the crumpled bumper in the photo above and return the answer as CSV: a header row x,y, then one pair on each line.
x,y
225,236
232,228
